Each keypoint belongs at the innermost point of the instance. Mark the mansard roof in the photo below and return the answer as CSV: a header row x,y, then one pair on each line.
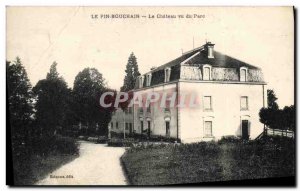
x,y
197,57
219,60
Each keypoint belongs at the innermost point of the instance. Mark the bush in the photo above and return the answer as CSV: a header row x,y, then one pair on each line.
x,y
66,145
55,145
144,137
117,135
101,139
81,137
229,139
160,138
92,139
115,142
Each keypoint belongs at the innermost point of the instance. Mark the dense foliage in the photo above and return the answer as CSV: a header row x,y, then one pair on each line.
x,y
52,96
276,118
131,73
89,85
20,105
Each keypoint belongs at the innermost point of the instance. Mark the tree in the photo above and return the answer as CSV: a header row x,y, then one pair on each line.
x,y
52,96
53,74
272,104
269,116
289,117
276,118
89,85
19,95
132,72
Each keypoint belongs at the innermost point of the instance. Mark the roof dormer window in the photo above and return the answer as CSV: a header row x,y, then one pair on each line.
x,y
148,79
206,72
141,81
243,74
167,74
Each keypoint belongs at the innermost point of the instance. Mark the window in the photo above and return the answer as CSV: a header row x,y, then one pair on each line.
x,y
130,127
243,74
126,126
167,129
142,126
141,110
141,81
112,125
148,80
208,128
148,105
244,103
149,108
206,72
117,125
129,109
167,107
167,74
149,128
207,103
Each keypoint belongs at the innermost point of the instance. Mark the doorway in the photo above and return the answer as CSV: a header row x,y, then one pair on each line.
x,y
167,129
130,128
245,129
142,127
149,130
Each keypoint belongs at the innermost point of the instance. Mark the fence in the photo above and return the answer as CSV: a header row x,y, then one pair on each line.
x,y
280,132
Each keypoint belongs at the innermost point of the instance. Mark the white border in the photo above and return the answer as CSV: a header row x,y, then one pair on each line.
x,y
107,3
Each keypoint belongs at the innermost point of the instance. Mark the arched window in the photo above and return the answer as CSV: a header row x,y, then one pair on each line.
x,y
167,74
206,72
148,82
141,81
243,74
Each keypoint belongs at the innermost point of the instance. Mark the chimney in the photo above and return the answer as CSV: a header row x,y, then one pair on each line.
x,y
210,49
153,68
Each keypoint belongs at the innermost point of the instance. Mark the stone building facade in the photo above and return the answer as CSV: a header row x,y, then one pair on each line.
x,y
229,94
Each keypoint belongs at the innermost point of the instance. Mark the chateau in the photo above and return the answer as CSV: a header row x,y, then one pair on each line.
x,y
229,92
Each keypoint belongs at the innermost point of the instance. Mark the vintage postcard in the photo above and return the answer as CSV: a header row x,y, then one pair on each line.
x,y
150,95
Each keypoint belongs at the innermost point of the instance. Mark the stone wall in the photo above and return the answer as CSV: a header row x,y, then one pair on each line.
x,y
220,74
255,75
190,73
225,74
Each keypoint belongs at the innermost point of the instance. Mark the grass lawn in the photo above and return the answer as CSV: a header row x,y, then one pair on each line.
x,y
203,162
37,168
47,155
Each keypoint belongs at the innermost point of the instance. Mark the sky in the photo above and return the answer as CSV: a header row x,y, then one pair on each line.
x,y
261,36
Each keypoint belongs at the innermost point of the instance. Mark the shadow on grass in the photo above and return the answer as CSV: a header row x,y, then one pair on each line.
x,y
29,172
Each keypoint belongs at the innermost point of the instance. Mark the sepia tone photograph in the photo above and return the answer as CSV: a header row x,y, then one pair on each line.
x,y
150,96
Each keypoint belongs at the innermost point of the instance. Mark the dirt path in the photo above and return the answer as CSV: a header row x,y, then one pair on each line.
x,y
96,165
